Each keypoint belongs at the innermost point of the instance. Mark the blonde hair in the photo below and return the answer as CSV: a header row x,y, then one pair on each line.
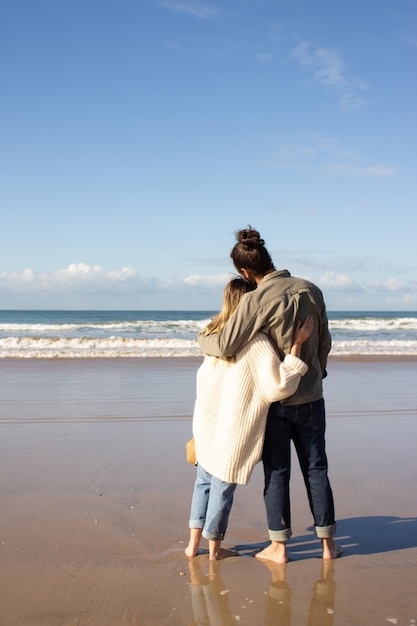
x,y
232,294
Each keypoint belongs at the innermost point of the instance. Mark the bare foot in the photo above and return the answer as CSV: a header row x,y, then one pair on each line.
x,y
276,551
222,553
194,542
330,549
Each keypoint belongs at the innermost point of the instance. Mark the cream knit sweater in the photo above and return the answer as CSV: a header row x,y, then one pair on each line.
x,y
232,403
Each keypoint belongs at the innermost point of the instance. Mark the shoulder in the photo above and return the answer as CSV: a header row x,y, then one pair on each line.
x,y
306,285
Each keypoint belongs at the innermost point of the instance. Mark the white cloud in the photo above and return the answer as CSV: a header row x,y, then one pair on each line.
x,y
393,285
277,28
350,169
213,280
341,291
90,286
82,286
325,156
195,8
82,269
327,68
25,276
337,280
265,56
77,276
325,63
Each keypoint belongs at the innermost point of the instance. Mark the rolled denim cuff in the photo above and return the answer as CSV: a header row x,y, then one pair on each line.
x,y
280,535
196,523
325,532
213,536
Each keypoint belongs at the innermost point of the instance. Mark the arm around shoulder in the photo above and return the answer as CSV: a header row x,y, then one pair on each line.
x,y
237,332
210,344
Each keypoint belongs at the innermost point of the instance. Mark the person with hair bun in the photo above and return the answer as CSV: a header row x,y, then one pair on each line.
x,y
232,401
279,302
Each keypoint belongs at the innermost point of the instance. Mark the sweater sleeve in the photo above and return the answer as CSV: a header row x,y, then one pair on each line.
x,y
274,379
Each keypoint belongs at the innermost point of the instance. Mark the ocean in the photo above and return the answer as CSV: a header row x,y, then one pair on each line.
x,y
73,334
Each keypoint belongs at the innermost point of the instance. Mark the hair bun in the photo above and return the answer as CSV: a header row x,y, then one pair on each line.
x,y
249,238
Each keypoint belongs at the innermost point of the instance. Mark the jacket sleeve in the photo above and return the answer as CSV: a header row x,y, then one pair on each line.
x,y
238,331
274,379
325,342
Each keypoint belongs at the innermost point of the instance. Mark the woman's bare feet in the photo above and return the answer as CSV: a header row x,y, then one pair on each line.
x,y
216,553
223,553
194,542
330,549
276,551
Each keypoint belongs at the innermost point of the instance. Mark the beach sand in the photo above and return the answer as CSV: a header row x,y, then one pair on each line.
x,y
95,495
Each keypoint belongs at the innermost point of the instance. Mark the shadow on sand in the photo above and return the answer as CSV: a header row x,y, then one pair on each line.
x,y
357,535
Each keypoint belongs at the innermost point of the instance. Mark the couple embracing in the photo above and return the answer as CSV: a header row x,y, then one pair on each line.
x,y
259,388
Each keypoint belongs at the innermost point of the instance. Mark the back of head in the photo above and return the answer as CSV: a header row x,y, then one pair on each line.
x,y
250,253
233,292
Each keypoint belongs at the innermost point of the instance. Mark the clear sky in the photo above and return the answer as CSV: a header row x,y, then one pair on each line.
x,y
138,135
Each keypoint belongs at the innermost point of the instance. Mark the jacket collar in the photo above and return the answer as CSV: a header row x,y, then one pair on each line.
x,y
276,274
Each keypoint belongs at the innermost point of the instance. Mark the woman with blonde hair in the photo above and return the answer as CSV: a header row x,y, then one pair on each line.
x,y
232,402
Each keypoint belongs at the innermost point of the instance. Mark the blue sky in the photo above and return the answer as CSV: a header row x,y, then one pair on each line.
x,y
137,136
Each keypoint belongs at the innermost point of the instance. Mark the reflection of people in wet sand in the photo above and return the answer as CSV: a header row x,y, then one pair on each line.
x,y
209,596
278,610
233,397
276,304
323,601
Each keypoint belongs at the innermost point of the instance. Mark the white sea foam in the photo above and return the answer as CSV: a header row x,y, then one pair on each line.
x,y
140,328
375,324
374,348
47,347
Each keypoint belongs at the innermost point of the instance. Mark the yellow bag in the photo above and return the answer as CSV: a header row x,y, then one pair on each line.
x,y
190,449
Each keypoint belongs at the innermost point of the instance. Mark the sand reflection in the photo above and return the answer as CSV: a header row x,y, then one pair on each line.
x,y
210,595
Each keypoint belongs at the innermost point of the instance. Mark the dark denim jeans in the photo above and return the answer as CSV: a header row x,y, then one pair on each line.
x,y
305,425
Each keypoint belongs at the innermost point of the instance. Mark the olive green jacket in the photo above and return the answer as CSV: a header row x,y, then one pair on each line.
x,y
274,307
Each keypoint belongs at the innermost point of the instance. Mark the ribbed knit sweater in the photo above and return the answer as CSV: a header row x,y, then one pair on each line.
x,y
232,402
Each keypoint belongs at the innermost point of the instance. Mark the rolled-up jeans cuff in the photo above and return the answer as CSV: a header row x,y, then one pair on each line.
x,y
280,535
325,532
212,536
196,523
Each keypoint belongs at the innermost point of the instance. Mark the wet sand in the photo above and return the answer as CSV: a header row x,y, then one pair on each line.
x,y
95,495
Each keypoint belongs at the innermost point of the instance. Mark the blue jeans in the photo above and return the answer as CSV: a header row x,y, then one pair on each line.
x,y
211,504
305,425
